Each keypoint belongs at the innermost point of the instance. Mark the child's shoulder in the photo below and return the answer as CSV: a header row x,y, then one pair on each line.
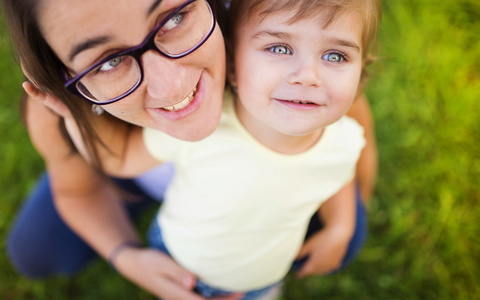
x,y
347,124
346,131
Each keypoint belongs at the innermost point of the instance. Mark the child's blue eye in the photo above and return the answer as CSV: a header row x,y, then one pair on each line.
x,y
333,57
280,49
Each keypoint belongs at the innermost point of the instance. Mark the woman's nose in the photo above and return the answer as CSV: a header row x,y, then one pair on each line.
x,y
164,77
305,73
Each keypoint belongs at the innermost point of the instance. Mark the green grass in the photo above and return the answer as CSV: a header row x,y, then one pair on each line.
x,y
424,240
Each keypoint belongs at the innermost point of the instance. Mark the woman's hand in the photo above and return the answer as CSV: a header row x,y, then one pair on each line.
x,y
325,250
159,274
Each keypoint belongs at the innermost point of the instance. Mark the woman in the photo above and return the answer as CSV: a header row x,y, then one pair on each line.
x,y
88,32
68,37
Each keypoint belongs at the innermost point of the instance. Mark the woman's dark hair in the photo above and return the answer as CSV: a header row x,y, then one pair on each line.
x,y
43,68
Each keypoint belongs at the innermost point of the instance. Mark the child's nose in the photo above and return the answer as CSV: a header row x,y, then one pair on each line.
x,y
306,73
164,77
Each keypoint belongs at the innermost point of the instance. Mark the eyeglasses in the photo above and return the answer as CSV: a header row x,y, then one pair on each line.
x,y
113,78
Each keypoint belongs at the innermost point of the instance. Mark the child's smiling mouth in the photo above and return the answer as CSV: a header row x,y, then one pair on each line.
x,y
302,104
305,105
299,101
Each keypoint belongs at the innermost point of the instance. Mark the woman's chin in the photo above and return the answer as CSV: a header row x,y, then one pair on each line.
x,y
192,132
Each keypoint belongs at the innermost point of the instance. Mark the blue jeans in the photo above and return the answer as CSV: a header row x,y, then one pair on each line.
x,y
40,244
156,241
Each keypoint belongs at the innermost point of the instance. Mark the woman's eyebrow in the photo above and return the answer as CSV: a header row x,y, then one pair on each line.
x,y
153,6
90,43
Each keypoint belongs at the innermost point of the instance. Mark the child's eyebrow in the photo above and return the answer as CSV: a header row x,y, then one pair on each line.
x,y
277,34
346,43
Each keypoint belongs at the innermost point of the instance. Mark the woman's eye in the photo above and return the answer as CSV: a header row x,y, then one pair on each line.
x,y
280,49
333,57
111,64
174,21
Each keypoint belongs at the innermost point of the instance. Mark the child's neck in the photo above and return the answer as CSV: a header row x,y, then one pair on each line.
x,y
273,139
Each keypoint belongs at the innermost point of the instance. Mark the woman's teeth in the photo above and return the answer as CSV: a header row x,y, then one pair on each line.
x,y
182,104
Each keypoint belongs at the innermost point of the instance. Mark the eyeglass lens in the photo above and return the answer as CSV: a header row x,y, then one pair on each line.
x,y
181,33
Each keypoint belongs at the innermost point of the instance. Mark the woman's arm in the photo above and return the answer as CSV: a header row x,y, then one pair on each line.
x,y
77,184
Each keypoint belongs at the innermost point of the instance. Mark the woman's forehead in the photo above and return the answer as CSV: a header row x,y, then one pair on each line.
x,y
67,24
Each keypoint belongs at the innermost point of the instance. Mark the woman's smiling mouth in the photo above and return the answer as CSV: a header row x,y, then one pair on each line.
x,y
184,103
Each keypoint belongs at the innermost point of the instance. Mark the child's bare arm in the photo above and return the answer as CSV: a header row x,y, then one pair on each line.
x,y
327,248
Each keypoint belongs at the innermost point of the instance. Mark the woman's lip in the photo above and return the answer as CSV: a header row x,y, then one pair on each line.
x,y
194,105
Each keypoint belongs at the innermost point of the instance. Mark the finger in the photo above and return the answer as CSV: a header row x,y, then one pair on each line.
x,y
307,269
165,288
177,292
305,250
302,253
303,272
235,296
157,272
168,290
177,274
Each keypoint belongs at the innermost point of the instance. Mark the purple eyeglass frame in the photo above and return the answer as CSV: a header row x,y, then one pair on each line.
x,y
137,52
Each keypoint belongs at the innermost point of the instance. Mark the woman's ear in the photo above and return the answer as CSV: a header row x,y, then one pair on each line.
x,y
48,100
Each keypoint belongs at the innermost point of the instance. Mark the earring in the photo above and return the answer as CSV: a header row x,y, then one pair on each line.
x,y
97,110
234,89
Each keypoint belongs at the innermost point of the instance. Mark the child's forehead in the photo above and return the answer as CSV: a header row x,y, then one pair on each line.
x,y
295,11
291,13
